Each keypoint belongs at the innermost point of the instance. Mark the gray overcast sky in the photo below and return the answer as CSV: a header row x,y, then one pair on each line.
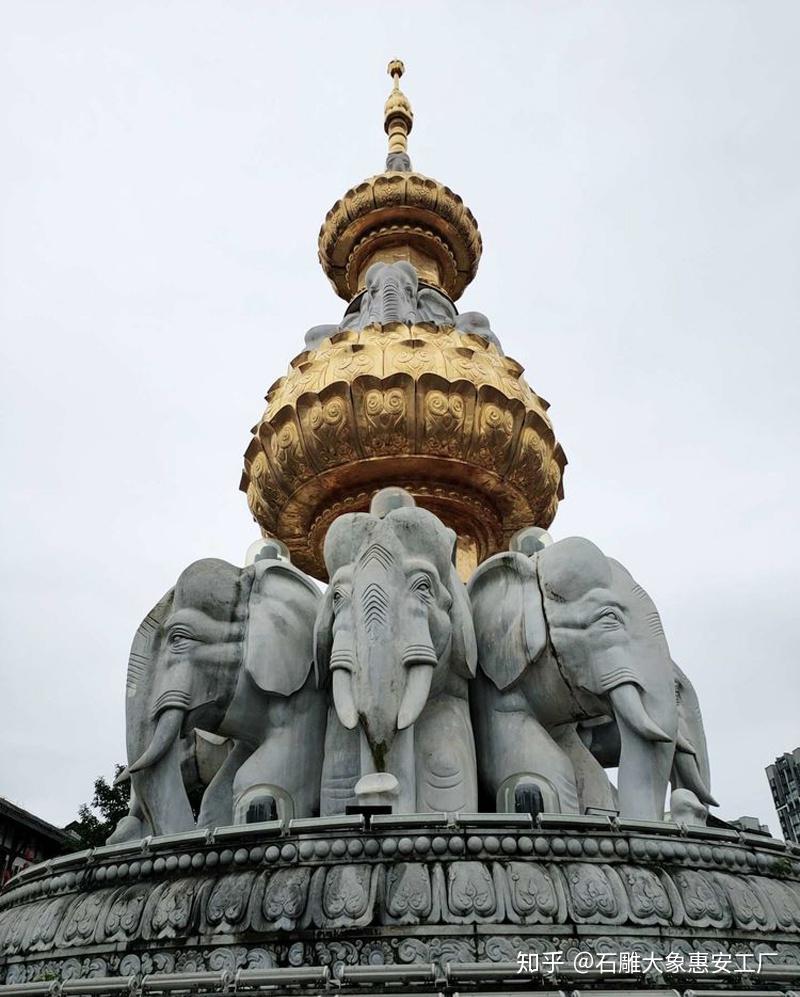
x,y
165,167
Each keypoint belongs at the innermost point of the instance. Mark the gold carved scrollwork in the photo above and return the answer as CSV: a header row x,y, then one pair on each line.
x,y
427,408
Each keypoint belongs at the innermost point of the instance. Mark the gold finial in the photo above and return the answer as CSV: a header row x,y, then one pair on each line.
x,y
398,117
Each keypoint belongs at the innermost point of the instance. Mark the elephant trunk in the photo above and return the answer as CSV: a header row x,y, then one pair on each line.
x,y
382,689
646,755
689,775
390,301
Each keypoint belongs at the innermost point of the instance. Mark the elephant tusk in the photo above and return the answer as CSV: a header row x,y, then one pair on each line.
x,y
627,703
418,686
167,729
689,772
343,697
124,776
682,743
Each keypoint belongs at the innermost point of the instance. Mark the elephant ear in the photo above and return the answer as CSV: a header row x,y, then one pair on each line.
x,y
323,638
140,680
144,648
434,307
353,317
278,645
465,648
510,627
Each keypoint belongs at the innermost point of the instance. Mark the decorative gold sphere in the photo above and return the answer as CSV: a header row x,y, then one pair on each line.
x,y
438,412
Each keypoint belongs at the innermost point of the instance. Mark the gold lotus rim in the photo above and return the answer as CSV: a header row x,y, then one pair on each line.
x,y
387,206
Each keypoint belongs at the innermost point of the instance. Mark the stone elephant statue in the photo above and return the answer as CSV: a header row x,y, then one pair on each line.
x,y
393,293
566,635
394,638
229,651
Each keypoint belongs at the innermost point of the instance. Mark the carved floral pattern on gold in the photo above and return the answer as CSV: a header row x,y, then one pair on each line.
x,y
409,213
431,409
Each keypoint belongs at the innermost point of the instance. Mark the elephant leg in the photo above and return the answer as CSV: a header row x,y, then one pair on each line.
x,y
444,753
644,770
289,757
341,766
511,742
216,809
132,826
594,787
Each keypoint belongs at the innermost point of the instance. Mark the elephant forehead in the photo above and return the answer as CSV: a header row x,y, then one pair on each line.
x,y
571,568
361,538
346,537
212,587
401,271
421,534
406,272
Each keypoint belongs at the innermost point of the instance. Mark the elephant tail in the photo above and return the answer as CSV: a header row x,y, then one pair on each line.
x,y
686,769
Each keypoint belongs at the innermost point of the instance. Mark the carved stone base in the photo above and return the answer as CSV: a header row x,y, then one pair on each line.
x,y
476,889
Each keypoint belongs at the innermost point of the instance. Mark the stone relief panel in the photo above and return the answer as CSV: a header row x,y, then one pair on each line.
x,y
595,894
535,894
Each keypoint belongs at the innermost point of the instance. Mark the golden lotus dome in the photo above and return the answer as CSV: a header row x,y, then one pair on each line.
x,y
404,391
442,414
400,215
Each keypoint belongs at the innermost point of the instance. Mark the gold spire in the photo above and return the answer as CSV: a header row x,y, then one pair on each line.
x,y
400,215
426,406
398,118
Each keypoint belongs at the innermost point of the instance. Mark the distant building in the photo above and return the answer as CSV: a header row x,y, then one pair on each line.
x,y
784,781
751,824
25,839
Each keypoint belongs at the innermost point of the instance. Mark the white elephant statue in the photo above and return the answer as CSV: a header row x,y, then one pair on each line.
x,y
228,651
394,639
565,637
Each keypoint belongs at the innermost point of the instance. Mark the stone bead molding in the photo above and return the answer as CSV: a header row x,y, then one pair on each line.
x,y
398,209
431,409
436,889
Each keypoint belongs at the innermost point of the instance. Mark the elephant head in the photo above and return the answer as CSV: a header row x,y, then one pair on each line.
x,y
573,631
219,638
395,624
392,294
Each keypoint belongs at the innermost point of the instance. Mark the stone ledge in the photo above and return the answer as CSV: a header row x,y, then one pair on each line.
x,y
474,889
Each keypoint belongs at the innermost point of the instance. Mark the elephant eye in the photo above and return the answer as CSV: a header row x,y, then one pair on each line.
x,y
423,586
610,619
180,639
339,598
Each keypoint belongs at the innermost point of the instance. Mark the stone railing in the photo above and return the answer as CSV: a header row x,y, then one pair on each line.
x,y
423,890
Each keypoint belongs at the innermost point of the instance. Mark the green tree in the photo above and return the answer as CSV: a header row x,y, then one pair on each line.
x,y
96,820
